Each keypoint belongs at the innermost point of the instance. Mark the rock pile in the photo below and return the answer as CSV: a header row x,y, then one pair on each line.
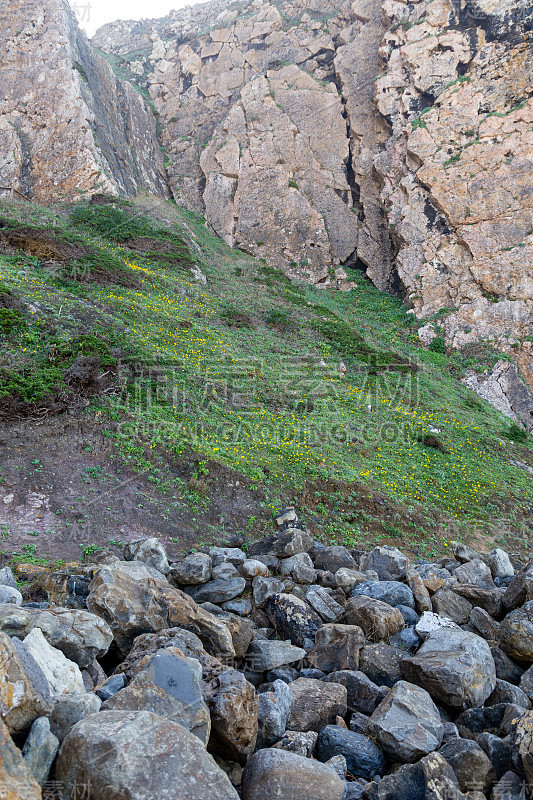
x,y
277,669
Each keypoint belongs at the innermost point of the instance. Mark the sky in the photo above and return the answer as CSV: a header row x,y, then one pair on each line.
x,y
92,14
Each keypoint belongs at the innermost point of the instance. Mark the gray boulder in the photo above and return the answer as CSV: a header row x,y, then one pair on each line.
x,y
10,595
193,570
274,774
138,755
40,749
273,714
500,564
363,757
363,695
219,590
70,709
389,563
324,604
406,724
7,578
392,592
264,654
292,618
315,704
455,667
379,621
265,588
516,633
334,558
150,551
471,765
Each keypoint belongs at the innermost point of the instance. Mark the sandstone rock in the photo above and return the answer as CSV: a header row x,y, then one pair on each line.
x,y
150,551
389,563
171,686
378,620
315,704
471,765
62,675
349,578
80,635
337,647
292,618
516,633
70,709
24,690
40,749
273,774
406,724
419,590
252,568
194,569
364,759
455,667
133,602
265,655
142,754
274,708
16,779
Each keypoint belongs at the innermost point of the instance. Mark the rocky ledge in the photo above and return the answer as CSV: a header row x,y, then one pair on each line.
x,y
282,668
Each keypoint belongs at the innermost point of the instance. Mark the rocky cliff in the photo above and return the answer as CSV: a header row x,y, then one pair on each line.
x,y
392,138
67,125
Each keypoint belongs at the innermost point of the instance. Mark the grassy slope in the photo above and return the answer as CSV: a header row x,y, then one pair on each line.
x,y
252,381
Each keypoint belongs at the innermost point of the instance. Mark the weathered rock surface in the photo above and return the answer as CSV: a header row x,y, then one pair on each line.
x,y
406,724
274,774
316,704
40,749
16,779
141,754
455,667
292,618
363,757
99,134
24,690
133,602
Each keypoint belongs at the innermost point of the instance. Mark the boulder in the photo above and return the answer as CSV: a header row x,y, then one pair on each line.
x,y
62,675
526,682
283,545
150,551
474,573
300,742
70,709
315,704
139,755
324,604
219,590
169,685
80,635
7,578
489,599
347,579
382,663
241,630
500,564
334,558
487,626
388,562
274,708
430,623
251,568
516,633
16,779
264,655
193,570
337,647
40,749
509,787
431,778
391,592
379,621
505,692
506,669
406,724
10,595
521,741
292,618
407,640
24,691
471,765
231,555
133,602
363,695
265,588
419,590
363,757
447,603
275,774
454,666
498,752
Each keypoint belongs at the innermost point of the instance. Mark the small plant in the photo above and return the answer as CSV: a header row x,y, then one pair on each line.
x,y
438,345
293,185
516,433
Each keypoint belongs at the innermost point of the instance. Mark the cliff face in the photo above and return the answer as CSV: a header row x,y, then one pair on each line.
x,y
67,125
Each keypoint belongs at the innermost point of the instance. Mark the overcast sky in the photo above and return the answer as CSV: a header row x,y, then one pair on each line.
x,y
94,13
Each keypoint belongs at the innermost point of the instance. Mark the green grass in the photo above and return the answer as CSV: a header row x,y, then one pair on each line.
x,y
245,371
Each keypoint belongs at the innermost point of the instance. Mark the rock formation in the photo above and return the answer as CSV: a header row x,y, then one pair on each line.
x,y
68,126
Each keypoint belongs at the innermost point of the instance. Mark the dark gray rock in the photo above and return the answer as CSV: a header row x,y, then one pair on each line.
x,y
337,647
406,724
391,592
508,693
286,674
112,685
364,759
516,633
410,617
381,663
265,588
282,545
311,672
359,723
292,618
510,787
70,709
432,778
229,555
324,604
275,773
407,640
334,558
193,570
477,720
241,606
506,669
450,732
388,562
264,655
363,694
40,749
217,591
447,603
471,765
498,752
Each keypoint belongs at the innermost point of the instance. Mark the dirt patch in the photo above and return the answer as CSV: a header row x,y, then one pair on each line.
x,y
41,244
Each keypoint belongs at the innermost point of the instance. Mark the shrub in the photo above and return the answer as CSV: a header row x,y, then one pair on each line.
x,y
438,345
